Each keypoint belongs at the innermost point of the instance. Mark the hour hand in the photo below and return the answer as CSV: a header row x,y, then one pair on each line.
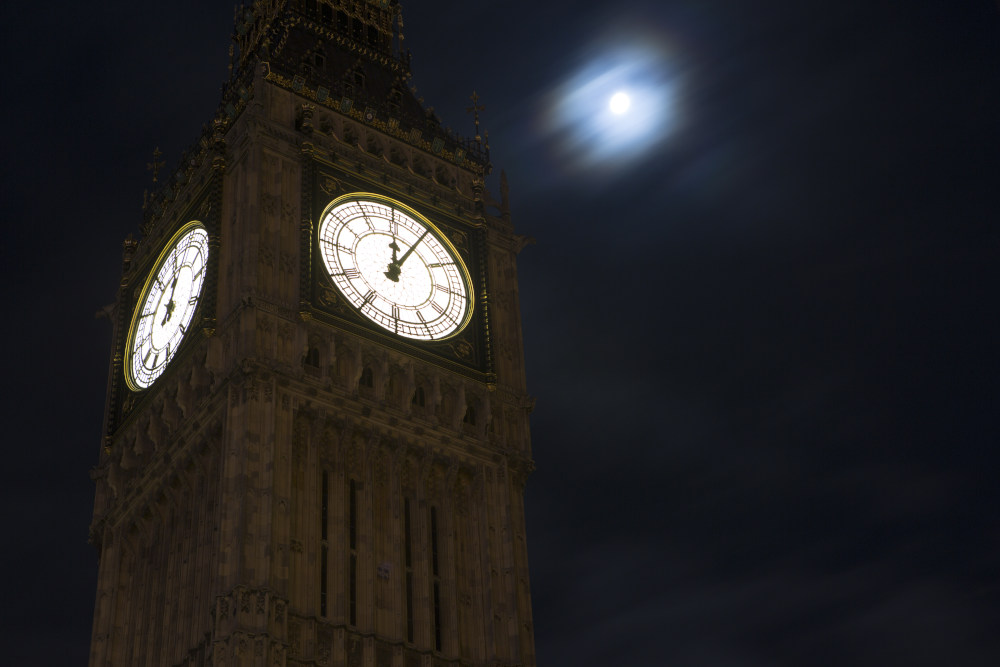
x,y
166,316
170,304
392,273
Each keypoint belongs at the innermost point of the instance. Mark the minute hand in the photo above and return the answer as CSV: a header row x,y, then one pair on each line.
x,y
415,244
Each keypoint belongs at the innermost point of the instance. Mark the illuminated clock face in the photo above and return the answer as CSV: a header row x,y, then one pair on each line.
x,y
166,307
395,267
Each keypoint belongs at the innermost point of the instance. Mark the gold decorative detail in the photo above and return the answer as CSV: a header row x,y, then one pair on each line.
x,y
329,299
462,350
330,186
389,126
459,239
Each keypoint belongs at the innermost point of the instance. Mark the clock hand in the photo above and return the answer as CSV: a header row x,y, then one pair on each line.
x,y
407,253
392,273
395,266
170,304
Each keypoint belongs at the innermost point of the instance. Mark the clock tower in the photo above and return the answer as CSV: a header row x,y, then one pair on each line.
x,y
316,422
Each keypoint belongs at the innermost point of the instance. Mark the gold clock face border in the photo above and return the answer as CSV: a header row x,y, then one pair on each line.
x,y
439,236
144,294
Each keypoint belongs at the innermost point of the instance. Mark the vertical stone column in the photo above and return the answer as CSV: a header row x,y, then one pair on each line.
x,y
291,502
481,522
518,477
336,464
383,547
420,529
447,522
366,541
396,584
109,565
507,598
203,561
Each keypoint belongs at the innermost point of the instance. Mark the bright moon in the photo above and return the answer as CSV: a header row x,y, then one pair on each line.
x,y
620,103
615,107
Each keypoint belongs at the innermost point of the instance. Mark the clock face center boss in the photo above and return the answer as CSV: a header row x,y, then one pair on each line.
x,y
395,267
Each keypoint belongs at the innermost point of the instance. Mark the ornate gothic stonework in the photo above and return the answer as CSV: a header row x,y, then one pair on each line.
x,y
301,487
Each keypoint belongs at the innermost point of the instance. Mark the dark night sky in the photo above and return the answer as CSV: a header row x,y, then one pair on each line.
x,y
763,346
